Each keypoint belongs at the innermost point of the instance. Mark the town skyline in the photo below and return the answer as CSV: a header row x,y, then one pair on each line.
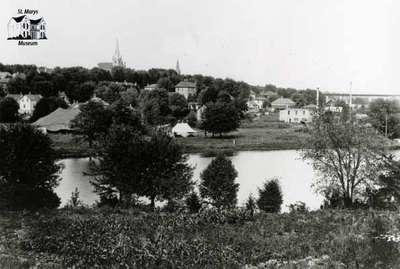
x,y
325,46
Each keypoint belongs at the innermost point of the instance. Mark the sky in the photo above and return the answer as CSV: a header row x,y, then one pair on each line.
x,y
289,43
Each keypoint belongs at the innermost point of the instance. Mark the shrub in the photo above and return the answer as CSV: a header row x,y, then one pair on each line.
x,y
270,197
218,183
74,201
193,202
251,204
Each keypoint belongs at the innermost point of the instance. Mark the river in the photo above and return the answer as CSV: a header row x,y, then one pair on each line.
x,y
254,167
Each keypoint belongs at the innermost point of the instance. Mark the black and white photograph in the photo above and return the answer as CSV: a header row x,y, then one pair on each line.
x,y
191,134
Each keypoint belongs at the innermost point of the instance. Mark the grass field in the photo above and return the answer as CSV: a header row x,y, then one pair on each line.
x,y
265,133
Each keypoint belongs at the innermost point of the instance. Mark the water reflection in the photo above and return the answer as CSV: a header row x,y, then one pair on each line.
x,y
253,168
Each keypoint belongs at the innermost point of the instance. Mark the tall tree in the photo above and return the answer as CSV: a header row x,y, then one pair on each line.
x,y
94,120
28,169
122,114
270,197
221,117
131,164
9,110
218,183
346,153
178,105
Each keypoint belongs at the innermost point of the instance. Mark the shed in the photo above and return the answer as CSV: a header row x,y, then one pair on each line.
x,y
183,129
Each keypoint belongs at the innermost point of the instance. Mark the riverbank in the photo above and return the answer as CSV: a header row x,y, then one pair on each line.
x,y
106,238
259,135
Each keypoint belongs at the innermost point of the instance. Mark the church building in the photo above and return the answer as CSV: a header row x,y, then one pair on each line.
x,y
117,60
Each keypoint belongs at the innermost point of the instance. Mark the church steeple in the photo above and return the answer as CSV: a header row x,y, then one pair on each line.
x,y
177,68
117,58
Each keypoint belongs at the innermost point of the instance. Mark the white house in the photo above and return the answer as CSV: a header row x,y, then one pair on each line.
x,y
296,115
23,27
182,129
253,106
26,102
186,88
151,87
282,103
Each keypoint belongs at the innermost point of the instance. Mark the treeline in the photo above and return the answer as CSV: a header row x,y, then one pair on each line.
x,y
79,83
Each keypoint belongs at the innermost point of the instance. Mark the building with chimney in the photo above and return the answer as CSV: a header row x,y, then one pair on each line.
x,y
186,88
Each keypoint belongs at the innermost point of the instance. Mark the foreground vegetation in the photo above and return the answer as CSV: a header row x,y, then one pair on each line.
x,y
105,238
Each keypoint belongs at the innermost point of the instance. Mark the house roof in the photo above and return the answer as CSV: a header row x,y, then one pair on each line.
x,y
19,19
34,97
36,21
60,119
153,86
269,93
310,106
186,84
283,102
182,128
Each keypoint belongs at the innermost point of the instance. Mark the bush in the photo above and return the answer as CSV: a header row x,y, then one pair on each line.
x,y
193,202
218,183
270,197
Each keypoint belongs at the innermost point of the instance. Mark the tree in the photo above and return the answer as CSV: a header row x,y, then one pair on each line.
x,y
109,92
28,169
47,105
251,204
193,202
130,96
270,197
221,118
346,153
126,115
387,195
191,119
132,164
9,110
168,175
94,120
118,73
218,183
178,105
208,95
382,114
154,106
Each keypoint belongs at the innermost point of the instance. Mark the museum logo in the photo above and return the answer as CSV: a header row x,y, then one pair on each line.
x,y
27,27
